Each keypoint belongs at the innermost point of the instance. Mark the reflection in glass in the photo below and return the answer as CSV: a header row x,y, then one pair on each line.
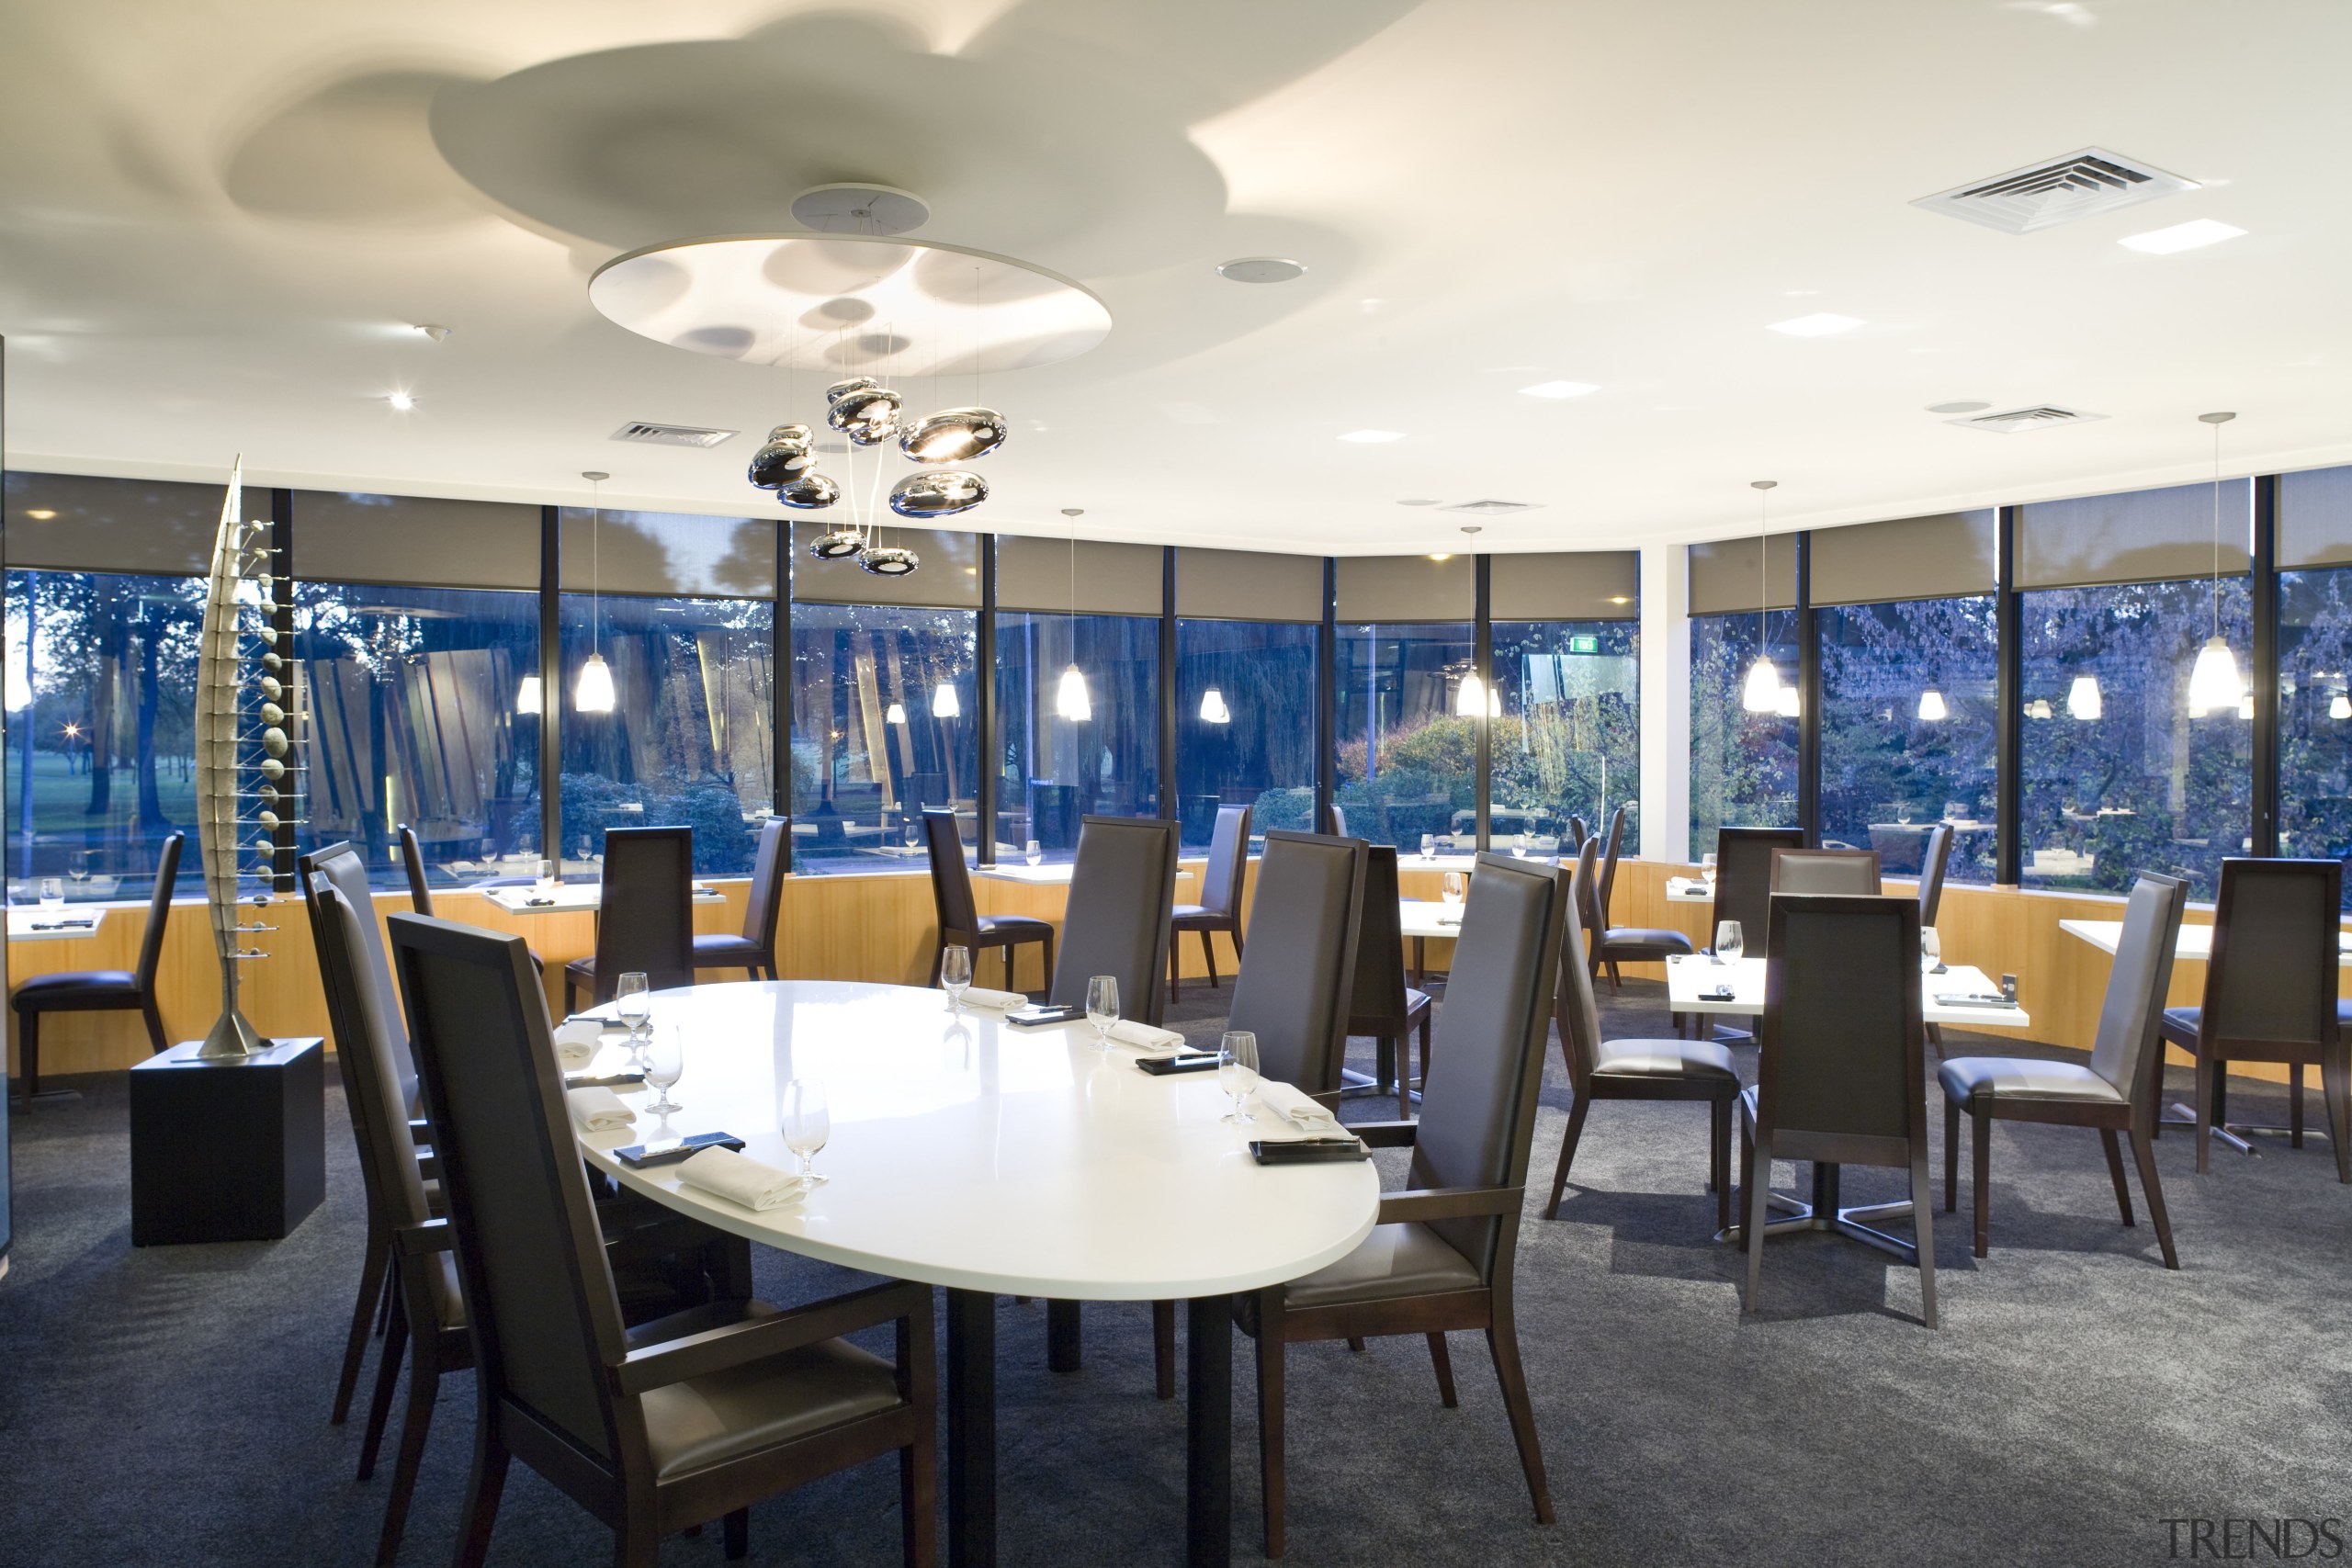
x,y
1568,741
1245,731
2315,713
1057,770
1407,762
1743,764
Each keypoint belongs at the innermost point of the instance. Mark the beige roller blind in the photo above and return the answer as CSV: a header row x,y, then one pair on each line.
x,y
1245,585
675,555
414,541
2145,535
1724,579
947,578
1403,589
2315,518
70,523
1941,556
1588,586
1041,573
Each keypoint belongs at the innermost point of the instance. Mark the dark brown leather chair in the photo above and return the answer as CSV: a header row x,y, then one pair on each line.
x,y
1841,1079
1384,1008
101,990
754,950
1119,918
1934,860
1848,872
420,888
2270,997
656,1429
1220,906
1577,834
1635,1070
645,919
1621,944
1440,1258
960,922
1744,880
2117,1093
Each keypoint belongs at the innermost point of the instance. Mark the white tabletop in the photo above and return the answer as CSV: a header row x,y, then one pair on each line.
x,y
1688,890
1463,861
973,1154
1053,874
1428,918
2195,942
570,897
1686,977
27,925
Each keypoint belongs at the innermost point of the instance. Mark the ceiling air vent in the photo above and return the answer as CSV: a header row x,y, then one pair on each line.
x,y
654,434
2013,421
2043,195
1488,508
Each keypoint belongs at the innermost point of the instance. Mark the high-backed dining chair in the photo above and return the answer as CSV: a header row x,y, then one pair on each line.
x,y
1440,1258
657,1430
1220,906
1577,834
645,919
1384,1008
1935,855
1121,909
661,1261
1743,879
419,889
1635,1070
102,990
2117,1093
1611,841
2270,995
1613,945
961,924
754,950
1852,872
1841,1079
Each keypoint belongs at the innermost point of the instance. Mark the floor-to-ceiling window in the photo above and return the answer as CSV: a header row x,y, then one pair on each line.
x,y
1743,727
2121,773
1246,632
2315,664
1566,669
1405,674
885,727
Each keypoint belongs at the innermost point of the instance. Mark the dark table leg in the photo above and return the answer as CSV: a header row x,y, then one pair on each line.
x,y
1065,1337
1208,1431
971,1428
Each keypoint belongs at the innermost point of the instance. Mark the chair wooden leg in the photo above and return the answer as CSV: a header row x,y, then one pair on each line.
x,y
1936,1039
1980,1174
1208,955
424,1384
1271,1462
1502,1341
1616,980
388,1374
147,1009
1442,1362
1757,1181
1923,1217
2143,1155
570,996
2336,1086
28,1052
636,1540
483,1488
1951,1153
373,1267
1175,990
1568,1140
1163,1349
919,1500
2294,1105
2115,1172
1235,935
2207,1071
1047,984
1355,1344
735,1529
1724,1110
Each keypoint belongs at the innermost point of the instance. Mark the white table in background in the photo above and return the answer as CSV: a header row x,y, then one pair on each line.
x,y
570,899
46,925
1688,890
1686,977
993,1160
2195,942
1054,874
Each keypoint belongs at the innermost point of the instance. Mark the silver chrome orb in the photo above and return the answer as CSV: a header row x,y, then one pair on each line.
x,y
889,560
838,544
938,493
953,435
792,435
840,389
867,415
810,492
779,463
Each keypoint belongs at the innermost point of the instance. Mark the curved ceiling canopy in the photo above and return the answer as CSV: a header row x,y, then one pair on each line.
x,y
841,302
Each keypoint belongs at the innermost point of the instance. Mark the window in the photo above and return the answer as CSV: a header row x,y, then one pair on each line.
x,y
1245,725
101,765
1908,731
688,740
1407,759
885,715
2315,713
1743,764
1074,745
1567,742
416,699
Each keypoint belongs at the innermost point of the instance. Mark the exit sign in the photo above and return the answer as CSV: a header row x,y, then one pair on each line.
x,y
1584,645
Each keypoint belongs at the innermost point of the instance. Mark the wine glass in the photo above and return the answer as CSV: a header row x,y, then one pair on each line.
x,y
1031,853
1237,1073
547,877
665,1064
1452,888
1519,845
633,1005
1103,1007
1931,950
954,975
1729,941
808,1124
78,869
1707,871
911,834
1428,846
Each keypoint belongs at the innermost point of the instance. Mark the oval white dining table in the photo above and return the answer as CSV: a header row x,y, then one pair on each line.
x,y
987,1159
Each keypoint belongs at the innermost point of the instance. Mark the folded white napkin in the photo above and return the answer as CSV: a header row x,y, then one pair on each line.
x,y
998,1001
740,1179
1144,1037
576,1041
1294,1107
598,1110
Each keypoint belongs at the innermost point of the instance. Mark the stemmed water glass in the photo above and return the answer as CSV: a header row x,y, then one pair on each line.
x,y
954,976
1237,1072
1031,853
1428,846
633,1005
665,1064
1931,950
1729,941
808,1124
1452,888
1519,845
1103,1007
78,871
1707,871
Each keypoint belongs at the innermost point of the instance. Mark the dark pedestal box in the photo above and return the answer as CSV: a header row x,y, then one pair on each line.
x,y
227,1151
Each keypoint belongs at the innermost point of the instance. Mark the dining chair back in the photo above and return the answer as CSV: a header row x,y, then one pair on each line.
x,y
1744,878
2271,982
951,879
1576,1008
753,951
1228,859
646,920
339,866
1607,884
1933,860
1850,872
1299,972
1584,883
1117,923
2125,1050
159,914
1577,834
420,891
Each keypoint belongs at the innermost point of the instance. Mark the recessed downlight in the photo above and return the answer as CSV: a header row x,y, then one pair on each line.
x,y
1372,438
1821,324
1260,269
1962,407
2188,236
400,400
1558,390
1419,501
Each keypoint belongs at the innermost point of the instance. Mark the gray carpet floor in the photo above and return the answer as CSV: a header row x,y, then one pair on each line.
x,y
168,1405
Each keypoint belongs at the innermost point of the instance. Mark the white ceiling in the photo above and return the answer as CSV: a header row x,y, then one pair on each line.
x,y
215,220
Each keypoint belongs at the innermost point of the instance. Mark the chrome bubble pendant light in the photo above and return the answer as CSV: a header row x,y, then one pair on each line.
x,y
938,493
953,435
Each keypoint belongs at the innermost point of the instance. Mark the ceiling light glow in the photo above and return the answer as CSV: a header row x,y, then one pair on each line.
x,y
1558,390
2189,236
400,400
1822,323
1372,438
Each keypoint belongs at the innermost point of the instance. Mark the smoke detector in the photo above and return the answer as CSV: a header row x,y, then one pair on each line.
x,y
2061,190
859,206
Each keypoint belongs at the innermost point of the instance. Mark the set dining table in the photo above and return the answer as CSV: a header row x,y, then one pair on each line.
x,y
69,924
570,897
993,1160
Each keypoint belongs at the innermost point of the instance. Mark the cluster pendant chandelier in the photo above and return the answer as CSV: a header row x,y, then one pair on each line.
x,y
868,414
2214,685
1762,692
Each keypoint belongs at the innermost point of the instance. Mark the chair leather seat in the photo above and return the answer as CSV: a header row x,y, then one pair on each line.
x,y
2344,1012
1665,1059
77,985
586,968
716,950
1408,1259
1201,912
2023,1077
708,1420
2180,1025
1649,937
1416,1002
1029,926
